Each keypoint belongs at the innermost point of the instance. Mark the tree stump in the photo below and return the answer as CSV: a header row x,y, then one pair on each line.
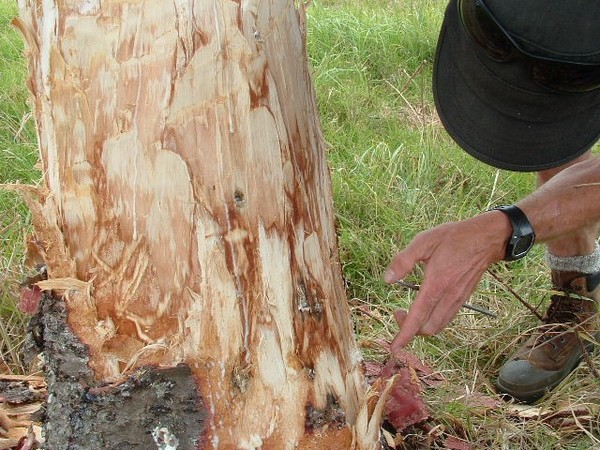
x,y
187,229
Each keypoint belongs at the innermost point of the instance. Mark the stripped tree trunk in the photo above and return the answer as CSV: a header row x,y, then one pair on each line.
x,y
187,228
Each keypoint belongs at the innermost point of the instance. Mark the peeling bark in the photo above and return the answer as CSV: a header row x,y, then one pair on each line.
x,y
186,215
150,407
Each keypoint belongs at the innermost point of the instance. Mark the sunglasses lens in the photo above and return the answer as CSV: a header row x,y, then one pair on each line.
x,y
481,26
484,30
565,77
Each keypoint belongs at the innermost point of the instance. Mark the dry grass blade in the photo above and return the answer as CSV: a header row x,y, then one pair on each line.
x,y
517,296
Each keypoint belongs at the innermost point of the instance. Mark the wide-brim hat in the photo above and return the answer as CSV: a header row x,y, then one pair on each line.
x,y
494,110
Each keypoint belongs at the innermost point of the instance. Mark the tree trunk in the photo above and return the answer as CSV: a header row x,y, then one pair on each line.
x,y
187,228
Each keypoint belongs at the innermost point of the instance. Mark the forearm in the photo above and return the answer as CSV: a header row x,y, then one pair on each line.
x,y
456,254
566,203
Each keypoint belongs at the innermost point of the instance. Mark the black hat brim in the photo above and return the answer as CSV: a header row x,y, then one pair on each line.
x,y
496,113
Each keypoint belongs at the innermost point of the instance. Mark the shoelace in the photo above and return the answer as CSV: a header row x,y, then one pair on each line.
x,y
565,314
564,309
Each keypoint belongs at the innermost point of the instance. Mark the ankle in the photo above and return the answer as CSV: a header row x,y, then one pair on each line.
x,y
583,264
585,286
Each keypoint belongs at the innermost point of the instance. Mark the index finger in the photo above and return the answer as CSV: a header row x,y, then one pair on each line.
x,y
417,316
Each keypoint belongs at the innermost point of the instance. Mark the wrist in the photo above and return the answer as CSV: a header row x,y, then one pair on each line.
x,y
522,236
498,231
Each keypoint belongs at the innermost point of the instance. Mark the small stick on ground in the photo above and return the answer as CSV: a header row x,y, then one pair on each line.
x,y
517,296
475,308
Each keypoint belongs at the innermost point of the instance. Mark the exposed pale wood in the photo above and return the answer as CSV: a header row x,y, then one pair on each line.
x,y
187,213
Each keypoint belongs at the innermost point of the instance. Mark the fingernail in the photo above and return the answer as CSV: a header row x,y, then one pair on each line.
x,y
389,276
396,349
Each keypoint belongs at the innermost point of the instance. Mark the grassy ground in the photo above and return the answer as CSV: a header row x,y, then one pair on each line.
x,y
395,173
18,156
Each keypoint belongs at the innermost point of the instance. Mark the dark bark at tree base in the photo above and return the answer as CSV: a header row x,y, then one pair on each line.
x,y
152,408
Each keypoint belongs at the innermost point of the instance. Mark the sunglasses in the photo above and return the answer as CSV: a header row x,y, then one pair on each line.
x,y
488,34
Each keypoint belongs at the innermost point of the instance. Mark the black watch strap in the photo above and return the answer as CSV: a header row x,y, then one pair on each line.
x,y
522,237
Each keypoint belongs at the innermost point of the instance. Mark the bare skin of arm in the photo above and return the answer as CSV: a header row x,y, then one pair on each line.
x,y
456,254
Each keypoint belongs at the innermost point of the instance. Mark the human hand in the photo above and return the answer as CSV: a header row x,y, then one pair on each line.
x,y
455,256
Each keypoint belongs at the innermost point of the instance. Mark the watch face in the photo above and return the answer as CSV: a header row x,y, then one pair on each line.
x,y
521,246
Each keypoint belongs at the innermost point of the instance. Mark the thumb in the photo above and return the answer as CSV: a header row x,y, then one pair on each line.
x,y
401,265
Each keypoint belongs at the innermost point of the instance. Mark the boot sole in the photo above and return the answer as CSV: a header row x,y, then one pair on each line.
x,y
529,396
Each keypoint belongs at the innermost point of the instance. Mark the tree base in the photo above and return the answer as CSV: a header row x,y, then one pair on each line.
x,y
152,408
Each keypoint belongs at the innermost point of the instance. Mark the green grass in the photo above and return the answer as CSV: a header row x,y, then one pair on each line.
x,y
18,157
395,172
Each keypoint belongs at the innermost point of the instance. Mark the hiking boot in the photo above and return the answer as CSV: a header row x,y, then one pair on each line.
x,y
556,347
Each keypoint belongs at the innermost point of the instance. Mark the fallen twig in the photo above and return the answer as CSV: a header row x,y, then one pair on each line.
x,y
476,308
517,296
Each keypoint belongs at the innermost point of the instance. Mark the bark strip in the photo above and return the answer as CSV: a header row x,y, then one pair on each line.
x,y
151,408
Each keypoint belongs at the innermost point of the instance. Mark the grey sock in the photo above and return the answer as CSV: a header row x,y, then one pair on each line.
x,y
583,264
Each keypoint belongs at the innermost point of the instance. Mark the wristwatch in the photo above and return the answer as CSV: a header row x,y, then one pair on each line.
x,y
522,237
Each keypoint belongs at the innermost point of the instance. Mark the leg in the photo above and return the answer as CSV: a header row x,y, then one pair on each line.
x,y
556,347
580,243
